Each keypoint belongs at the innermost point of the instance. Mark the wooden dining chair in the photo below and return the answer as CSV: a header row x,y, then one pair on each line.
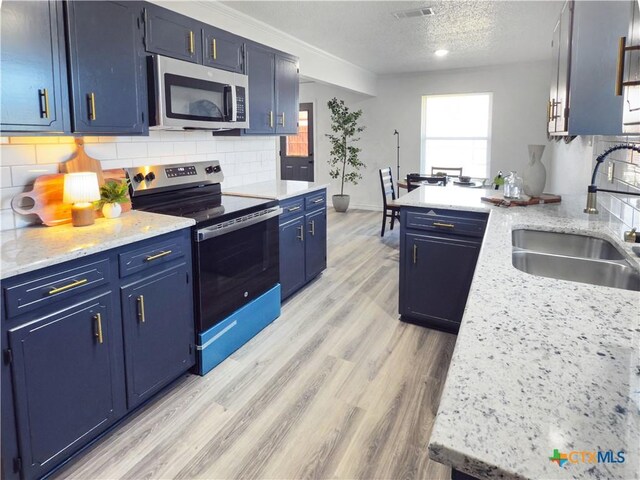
x,y
451,171
388,193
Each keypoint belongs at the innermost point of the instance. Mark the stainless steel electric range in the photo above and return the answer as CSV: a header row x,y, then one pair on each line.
x,y
235,252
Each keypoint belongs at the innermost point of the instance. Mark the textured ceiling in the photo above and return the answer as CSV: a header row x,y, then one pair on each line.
x,y
365,33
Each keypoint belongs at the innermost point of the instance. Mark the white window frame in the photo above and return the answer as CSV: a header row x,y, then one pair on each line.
x,y
424,138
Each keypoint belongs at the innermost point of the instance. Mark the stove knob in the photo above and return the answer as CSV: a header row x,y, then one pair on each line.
x,y
209,170
150,176
138,177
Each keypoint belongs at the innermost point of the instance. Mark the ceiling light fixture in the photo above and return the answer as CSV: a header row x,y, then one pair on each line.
x,y
441,53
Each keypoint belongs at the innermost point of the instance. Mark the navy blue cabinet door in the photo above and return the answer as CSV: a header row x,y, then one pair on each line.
x,y
66,387
33,90
172,35
292,256
106,67
158,331
437,275
223,50
316,243
261,71
286,91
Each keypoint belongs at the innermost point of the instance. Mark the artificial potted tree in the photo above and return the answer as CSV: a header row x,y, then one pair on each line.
x,y
343,158
112,194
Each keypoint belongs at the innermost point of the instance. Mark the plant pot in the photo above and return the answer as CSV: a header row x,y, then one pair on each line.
x,y
111,210
340,203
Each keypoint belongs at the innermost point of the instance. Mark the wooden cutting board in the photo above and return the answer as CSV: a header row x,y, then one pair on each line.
x,y
46,197
499,199
81,162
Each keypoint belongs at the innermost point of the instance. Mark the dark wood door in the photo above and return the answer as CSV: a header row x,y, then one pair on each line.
x,y
107,67
286,91
296,151
173,35
157,315
261,71
292,255
33,88
316,243
223,50
65,384
438,272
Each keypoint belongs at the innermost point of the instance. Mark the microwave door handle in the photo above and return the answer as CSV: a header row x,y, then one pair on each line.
x,y
234,110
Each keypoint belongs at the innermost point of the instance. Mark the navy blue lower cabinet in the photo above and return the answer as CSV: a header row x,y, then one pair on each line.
x,y
292,255
437,267
157,316
65,388
315,243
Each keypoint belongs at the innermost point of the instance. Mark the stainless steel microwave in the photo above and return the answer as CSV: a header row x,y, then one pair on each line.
x,y
185,95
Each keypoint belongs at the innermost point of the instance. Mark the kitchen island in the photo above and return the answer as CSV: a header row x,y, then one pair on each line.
x,y
540,364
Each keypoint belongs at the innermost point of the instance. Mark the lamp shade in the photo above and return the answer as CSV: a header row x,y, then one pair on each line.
x,y
81,187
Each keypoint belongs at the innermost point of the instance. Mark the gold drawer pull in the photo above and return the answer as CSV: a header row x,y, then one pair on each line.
x,y
293,209
73,284
191,43
313,228
620,70
141,308
415,254
159,255
445,225
98,319
92,106
271,119
214,49
45,96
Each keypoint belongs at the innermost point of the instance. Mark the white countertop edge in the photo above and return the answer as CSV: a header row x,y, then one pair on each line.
x,y
275,189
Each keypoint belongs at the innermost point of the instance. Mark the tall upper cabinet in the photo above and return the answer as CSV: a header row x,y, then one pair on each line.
x,y
628,82
583,97
34,81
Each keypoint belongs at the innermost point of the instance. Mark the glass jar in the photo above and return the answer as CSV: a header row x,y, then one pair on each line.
x,y
513,186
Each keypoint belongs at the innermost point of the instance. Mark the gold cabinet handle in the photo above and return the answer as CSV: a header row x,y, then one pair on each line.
x,y
159,255
313,228
73,284
214,49
301,235
270,119
620,66
140,300
44,94
415,254
191,43
92,106
444,225
98,318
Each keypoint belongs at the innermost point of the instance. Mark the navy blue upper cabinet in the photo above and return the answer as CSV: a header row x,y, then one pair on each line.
x,y
173,35
273,91
34,83
223,49
158,331
107,68
65,386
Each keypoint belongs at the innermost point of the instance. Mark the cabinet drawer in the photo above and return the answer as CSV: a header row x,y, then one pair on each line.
x,y
315,200
447,222
292,206
53,286
157,253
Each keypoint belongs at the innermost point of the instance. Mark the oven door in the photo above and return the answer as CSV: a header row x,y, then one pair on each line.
x,y
234,266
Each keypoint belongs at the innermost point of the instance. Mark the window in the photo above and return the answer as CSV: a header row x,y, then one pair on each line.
x,y
456,132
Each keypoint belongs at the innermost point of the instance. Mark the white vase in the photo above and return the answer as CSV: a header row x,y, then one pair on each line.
x,y
535,175
111,210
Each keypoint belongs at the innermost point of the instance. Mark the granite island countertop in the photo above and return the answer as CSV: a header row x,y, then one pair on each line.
x,y
26,249
540,364
275,189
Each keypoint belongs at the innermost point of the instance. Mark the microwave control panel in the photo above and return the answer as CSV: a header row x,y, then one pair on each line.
x,y
240,104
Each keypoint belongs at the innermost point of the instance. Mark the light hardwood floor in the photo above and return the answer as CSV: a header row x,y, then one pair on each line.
x,y
337,387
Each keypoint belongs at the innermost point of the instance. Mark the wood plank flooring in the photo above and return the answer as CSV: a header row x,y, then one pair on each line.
x,y
337,387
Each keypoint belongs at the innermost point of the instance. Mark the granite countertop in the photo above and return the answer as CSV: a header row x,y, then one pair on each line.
x,y
275,189
539,364
27,249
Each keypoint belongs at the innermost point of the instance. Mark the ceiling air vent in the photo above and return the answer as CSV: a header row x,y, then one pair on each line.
x,y
414,13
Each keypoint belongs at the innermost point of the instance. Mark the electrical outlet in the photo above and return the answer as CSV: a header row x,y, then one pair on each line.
x,y
610,168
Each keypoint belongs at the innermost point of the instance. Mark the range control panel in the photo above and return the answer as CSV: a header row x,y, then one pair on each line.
x,y
151,177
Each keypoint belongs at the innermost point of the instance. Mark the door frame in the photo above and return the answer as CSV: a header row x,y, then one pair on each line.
x,y
309,107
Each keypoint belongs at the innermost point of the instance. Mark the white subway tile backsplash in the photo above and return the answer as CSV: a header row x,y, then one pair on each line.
x,y
55,153
18,154
101,151
206,147
132,150
7,194
120,163
33,140
5,177
6,220
159,149
25,174
183,148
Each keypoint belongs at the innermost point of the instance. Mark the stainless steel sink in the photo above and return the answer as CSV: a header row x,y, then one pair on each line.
x,y
567,244
595,272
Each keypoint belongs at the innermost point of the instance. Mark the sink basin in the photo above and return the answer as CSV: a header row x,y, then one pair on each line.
x,y
595,272
567,244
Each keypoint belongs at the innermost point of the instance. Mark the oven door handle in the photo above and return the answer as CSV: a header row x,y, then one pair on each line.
x,y
220,229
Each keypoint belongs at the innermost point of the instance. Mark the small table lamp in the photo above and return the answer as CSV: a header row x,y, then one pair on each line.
x,y
80,189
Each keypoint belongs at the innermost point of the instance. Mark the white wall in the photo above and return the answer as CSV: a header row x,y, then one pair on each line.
x,y
520,94
570,167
